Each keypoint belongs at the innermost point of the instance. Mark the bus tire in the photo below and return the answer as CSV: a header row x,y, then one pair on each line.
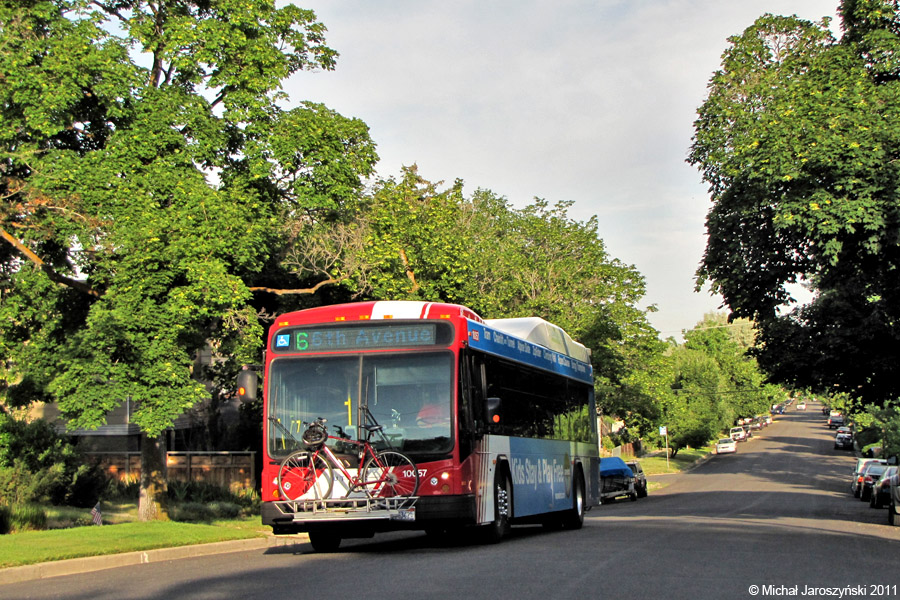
x,y
324,541
500,527
574,518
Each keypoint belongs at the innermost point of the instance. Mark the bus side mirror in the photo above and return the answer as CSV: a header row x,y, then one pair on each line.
x,y
247,383
492,411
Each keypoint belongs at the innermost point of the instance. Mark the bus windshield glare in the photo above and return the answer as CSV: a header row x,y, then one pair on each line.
x,y
409,394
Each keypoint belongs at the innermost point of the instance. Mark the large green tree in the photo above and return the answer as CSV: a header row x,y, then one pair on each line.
x,y
799,140
146,167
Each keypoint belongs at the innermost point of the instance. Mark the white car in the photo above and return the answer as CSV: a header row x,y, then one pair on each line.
x,y
801,406
725,446
738,434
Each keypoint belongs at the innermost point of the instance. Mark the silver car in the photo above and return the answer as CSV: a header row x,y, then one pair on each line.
x,y
726,446
856,484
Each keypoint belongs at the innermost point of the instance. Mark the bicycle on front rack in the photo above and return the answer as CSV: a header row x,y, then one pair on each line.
x,y
382,474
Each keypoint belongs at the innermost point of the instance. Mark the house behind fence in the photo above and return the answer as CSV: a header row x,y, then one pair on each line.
x,y
223,469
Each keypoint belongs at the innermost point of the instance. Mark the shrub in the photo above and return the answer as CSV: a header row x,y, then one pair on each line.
x,y
225,510
205,493
24,517
84,490
19,484
248,498
127,488
199,511
5,520
191,511
39,465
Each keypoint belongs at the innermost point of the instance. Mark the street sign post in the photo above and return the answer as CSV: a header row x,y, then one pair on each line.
x,y
664,431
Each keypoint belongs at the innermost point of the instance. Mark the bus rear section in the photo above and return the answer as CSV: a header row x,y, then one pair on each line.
x,y
501,430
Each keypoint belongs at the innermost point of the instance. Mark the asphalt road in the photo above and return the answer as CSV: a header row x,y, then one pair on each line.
x,y
776,515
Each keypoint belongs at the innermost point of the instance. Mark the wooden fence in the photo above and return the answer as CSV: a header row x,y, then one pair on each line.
x,y
225,469
625,451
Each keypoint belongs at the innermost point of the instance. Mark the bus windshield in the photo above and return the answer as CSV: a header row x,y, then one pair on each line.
x,y
408,394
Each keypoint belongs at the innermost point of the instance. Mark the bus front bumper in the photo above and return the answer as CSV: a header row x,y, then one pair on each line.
x,y
384,514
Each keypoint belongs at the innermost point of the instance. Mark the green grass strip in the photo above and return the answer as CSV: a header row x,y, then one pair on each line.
x,y
32,547
686,457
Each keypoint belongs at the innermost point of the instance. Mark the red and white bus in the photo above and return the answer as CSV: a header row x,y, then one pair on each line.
x,y
497,415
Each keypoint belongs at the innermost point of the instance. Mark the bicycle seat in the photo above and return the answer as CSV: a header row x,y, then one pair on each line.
x,y
374,428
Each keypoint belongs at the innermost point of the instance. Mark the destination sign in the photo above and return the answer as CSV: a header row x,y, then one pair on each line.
x,y
361,337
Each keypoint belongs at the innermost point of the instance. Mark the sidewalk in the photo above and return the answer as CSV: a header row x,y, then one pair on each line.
x,y
96,563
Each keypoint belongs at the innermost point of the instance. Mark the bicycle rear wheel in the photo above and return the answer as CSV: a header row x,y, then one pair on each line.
x,y
389,474
305,475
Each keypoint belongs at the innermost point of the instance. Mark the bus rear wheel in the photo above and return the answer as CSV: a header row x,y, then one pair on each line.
x,y
574,518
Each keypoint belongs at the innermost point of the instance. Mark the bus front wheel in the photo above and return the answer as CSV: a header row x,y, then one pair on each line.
x,y
499,527
324,541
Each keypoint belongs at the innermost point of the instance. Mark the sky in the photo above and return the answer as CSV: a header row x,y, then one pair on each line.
x,y
566,100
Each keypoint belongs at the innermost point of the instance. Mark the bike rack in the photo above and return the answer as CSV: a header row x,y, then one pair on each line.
x,y
401,508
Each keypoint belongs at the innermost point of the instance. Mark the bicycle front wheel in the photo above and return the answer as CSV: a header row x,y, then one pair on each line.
x,y
305,475
389,474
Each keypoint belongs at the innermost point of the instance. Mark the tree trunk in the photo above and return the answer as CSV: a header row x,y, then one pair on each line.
x,y
153,504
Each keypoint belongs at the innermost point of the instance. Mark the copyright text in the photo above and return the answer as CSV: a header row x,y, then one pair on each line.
x,y
847,591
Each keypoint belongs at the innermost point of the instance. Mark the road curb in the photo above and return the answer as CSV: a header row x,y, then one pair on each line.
x,y
88,564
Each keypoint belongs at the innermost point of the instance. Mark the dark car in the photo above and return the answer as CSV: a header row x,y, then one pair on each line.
x,y
881,490
843,441
640,480
835,421
871,474
894,504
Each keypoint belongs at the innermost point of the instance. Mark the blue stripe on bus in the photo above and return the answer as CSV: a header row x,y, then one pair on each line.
x,y
541,474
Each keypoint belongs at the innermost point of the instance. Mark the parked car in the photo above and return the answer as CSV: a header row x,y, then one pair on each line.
x,y
640,479
616,479
726,446
755,424
844,430
894,503
861,464
835,421
869,476
843,441
801,406
881,490
738,434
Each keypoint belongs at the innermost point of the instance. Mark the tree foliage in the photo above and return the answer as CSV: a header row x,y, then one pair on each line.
x,y
145,168
714,382
799,140
409,239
